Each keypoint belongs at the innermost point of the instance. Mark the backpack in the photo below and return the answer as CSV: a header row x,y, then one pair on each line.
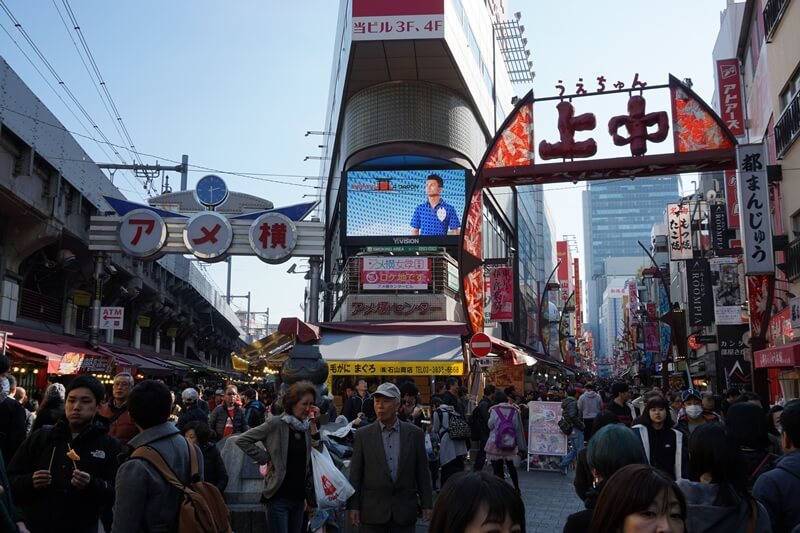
x,y
457,426
505,436
202,508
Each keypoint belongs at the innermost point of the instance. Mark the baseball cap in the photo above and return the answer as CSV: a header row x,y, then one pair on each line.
x,y
189,395
691,393
219,392
389,390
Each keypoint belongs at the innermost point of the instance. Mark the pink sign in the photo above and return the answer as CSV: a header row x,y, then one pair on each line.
x,y
395,273
781,356
502,286
731,199
397,19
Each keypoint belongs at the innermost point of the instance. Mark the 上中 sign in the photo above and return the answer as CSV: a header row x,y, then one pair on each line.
x,y
273,237
680,232
208,235
395,273
111,317
395,368
142,233
754,209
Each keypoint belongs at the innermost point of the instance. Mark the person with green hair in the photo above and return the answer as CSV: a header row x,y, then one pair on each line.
x,y
610,449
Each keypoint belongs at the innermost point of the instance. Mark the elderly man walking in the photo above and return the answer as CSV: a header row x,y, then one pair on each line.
x,y
389,471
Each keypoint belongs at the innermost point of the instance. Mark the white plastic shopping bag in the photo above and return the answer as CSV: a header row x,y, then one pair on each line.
x,y
331,486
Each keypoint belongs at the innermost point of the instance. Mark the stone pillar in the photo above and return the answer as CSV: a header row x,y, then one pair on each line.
x,y
137,336
157,341
109,336
172,347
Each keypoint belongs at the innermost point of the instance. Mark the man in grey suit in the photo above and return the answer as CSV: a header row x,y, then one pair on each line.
x,y
389,470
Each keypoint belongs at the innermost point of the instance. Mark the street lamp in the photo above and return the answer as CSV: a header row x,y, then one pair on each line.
x,y
547,287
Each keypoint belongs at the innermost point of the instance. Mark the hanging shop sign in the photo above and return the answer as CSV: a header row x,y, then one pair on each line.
x,y
395,273
757,294
395,368
390,20
74,363
639,138
732,199
502,290
208,235
794,311
698,286
754,207
728,291
398,307
729,92
734,352
578,301
779,357
273,237
142,233
718,227
680,232
112,317
148,233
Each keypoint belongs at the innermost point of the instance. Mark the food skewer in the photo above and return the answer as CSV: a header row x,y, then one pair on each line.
x,y
52,455
73,456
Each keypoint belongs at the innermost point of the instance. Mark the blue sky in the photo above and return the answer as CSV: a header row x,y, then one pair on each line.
x,y
237,87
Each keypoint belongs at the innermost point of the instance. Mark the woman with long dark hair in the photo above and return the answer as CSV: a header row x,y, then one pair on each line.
x,y
664,446
747,425
287,441
477,502
716,491
639,498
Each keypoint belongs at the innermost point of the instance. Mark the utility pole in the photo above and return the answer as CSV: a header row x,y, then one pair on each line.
x,y
149,172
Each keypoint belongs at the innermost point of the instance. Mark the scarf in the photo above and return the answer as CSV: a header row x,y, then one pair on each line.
x,y
294,423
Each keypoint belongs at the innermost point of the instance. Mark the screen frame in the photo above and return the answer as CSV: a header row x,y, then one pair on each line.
x,y
399,240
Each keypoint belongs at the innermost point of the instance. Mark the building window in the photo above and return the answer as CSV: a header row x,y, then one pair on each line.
x,y
796,224
792,88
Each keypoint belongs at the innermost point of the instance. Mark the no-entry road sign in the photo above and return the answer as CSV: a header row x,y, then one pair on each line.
x,y
480,345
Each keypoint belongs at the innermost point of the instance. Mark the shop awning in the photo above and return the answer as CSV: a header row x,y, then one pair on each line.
x,y
787,356
133,363
63,359
386,355
507,349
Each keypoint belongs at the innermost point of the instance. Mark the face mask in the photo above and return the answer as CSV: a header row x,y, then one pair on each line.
x,y
694,411
780,429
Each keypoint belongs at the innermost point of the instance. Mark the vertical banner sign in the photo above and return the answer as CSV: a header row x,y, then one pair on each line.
x,y
502,287
680,232
397,19
733,352
732,199
754,208
757,290
727,290
794,313
664,307
698,283
729,89
578,301
718,227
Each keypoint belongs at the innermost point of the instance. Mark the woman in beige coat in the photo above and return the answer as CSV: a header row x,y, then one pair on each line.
x,y
287,441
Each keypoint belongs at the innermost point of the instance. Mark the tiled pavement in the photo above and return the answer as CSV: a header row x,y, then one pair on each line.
x,y
549,499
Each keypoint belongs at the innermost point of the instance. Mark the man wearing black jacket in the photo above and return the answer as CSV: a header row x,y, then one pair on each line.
x,y
61,492
12,414
358,403
480,426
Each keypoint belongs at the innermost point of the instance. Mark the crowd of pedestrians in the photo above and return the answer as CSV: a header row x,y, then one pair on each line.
x,y
148,458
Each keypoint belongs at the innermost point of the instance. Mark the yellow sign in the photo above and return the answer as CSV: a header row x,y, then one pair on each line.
x,y
395,368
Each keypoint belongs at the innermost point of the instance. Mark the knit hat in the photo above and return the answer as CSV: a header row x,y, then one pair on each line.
x,y
55,390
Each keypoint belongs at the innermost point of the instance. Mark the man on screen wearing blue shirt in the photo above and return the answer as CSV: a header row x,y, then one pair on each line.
x,y
434,217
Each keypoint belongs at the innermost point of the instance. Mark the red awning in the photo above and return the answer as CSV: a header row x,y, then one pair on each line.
x,y
304,331
787,356
43,349
506,349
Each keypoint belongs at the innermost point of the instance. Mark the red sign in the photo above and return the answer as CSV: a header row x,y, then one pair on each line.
x,y
781,356
502,290
757,299
397,19
729,91
480,344
395,273
731,199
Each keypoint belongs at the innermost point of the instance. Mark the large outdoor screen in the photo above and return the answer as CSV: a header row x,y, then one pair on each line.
x,y
404,206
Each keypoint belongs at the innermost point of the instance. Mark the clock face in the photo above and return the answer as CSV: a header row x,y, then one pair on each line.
x,y
211,190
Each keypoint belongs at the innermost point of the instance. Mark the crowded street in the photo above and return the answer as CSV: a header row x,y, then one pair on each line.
x,y
400,266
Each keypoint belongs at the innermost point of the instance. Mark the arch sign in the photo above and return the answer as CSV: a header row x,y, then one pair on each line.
x,y
688,136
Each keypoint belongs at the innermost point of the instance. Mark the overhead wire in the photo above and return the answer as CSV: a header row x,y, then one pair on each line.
x,y
105,140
